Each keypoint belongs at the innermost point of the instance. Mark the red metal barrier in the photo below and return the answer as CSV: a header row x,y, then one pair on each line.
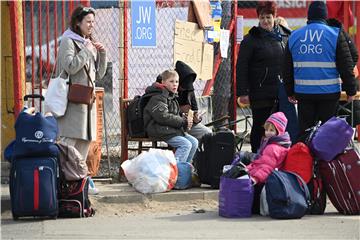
x,y
357,36
125,86
16,58
234,57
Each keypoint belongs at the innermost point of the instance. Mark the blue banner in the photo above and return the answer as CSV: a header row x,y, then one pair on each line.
x,y
143,23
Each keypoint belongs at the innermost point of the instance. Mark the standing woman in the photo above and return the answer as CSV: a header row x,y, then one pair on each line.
x,y
259,68
84,60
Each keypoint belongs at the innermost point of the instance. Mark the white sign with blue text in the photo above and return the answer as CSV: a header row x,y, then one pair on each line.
x,y
143,23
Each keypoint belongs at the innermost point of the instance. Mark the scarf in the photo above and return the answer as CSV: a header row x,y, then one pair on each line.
x,y
74,36
282,140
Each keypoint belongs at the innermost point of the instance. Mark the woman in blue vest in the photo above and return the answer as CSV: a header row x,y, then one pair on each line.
x,y
259,72
317,60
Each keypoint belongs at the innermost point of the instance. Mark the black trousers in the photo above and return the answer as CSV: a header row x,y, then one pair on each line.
x,y
257,131
311,111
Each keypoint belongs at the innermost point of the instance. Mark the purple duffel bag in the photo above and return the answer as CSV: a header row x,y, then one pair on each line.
x,y
331,139
235,197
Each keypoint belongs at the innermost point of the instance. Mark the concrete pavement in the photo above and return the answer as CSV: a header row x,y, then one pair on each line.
x,y
124,193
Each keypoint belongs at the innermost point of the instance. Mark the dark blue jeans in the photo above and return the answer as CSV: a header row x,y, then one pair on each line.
x,y
290,112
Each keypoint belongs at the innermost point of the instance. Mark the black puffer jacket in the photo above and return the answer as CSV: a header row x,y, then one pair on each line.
x,y
344,65
259,64
353,51
162,118
187,77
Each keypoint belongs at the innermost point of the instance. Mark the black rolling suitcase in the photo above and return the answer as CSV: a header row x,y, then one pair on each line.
x,y
215,150
34,166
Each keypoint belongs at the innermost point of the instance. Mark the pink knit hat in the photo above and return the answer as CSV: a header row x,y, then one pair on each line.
x,y
279,120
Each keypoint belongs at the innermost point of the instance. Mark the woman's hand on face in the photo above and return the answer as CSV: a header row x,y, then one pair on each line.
x,y
99,46
243,100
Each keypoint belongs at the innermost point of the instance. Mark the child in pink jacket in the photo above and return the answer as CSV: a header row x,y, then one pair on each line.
x,y
273,149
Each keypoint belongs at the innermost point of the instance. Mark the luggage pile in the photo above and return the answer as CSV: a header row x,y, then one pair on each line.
x,y
326,163
38,185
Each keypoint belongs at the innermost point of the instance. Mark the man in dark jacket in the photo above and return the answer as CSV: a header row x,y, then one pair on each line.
x,y
316,56
355,106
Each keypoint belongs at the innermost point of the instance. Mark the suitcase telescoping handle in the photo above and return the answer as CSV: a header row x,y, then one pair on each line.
x,y
26,97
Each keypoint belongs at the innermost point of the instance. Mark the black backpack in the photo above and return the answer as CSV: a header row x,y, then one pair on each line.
x,y
134,113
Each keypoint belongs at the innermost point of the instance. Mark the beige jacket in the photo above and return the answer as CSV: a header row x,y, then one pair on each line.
x,y
79,121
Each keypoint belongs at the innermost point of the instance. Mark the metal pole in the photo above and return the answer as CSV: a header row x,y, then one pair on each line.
x,y
106,138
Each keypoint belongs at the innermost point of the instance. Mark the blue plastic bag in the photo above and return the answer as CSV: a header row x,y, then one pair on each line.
x,y
184,175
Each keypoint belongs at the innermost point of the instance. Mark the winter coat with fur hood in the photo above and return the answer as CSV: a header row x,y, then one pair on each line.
x,y
162,119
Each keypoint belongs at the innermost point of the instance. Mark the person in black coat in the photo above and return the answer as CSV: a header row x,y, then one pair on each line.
x,y
259,69
355,57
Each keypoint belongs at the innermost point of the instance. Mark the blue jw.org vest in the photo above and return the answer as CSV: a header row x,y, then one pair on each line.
x,y
313,50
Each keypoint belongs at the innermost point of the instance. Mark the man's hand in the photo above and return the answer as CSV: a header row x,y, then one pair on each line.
x,y
292,99
30,110
350,98
243,100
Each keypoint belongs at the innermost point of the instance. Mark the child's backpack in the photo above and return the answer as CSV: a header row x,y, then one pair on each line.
x,y
74,199
134,113
300,161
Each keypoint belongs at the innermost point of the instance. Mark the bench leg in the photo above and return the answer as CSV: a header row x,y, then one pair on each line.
x,y
140,147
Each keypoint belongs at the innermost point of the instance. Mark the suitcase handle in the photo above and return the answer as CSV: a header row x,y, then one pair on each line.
x,y
26,97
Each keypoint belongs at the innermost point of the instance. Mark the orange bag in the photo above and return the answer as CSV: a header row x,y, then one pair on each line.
x,y
93,158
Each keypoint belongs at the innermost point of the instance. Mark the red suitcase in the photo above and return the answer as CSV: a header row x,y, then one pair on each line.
x,y
342,182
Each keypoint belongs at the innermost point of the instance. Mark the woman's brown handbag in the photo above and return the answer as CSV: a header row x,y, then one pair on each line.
x,y
81,94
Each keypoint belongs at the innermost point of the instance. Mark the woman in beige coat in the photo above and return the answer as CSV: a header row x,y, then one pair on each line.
x,y
78,52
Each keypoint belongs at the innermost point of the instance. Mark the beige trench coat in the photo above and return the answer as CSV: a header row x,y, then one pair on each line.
x,y
78,122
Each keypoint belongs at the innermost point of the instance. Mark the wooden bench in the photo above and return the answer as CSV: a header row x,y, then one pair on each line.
x,y
125,138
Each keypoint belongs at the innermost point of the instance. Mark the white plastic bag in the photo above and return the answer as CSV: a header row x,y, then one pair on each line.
x,y
56,96
152,172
